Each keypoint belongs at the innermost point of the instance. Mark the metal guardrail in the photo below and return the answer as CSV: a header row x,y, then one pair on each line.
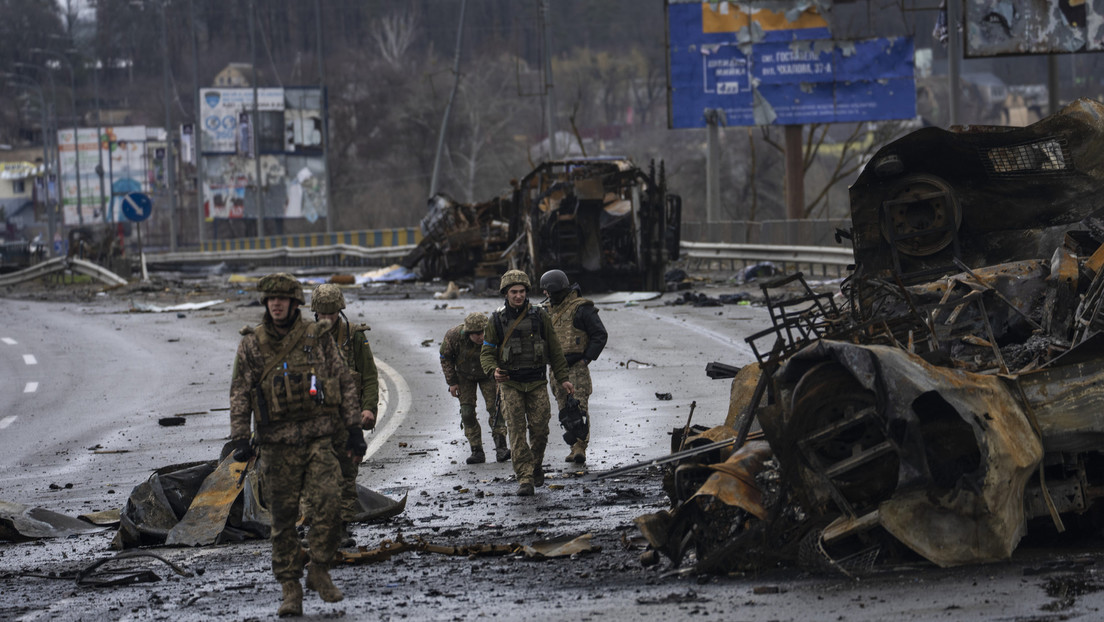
x,y
62,264
823,260
336,254
703,255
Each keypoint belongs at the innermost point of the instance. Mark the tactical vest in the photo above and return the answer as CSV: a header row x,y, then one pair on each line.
x,y
525,349
572,340
288,385
467,358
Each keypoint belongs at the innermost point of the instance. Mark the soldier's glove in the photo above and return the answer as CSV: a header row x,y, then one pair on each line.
x,y
243,450
356,445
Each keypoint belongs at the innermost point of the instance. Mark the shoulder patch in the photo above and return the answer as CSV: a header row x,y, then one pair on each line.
x,y
247,330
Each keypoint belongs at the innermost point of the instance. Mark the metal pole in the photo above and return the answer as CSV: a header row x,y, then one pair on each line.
x,y
56,159
45,154
76,131
331,209
954,57
1052,84
713,118
170,162
197,134
550,102
254,122
452,96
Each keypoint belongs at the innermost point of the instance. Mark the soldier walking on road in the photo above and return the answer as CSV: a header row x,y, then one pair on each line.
x,y
460,353
327,303
582,337
518,345
289,379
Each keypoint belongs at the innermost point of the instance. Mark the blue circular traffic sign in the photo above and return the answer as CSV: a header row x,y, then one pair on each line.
x,y
137,206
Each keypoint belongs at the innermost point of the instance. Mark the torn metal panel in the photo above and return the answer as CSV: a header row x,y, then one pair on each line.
x,y
209,509
20,522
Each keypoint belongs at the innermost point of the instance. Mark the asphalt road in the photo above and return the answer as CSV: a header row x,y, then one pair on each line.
x,y
79,429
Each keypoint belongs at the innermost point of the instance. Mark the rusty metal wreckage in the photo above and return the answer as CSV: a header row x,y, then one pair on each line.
x,y
601,220
947,398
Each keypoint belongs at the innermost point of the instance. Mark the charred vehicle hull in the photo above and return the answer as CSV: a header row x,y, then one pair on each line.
x,y
947,400
603,221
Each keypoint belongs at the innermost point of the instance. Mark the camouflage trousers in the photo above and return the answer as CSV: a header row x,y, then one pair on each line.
x,y
579,374
350,502
468,403
527,409
290,473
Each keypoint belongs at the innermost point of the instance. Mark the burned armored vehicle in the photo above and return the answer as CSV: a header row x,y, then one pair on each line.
x,y
949,398
603,221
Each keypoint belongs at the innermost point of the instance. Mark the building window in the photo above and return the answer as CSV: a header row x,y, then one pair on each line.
x,y
18,186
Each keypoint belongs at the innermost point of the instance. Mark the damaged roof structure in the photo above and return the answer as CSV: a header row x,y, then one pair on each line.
x,y
601,220
946,400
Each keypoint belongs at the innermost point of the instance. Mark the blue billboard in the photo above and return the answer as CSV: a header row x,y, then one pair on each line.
x,y
764,68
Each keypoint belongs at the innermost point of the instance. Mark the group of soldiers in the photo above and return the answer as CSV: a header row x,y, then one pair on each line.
x,y
303,391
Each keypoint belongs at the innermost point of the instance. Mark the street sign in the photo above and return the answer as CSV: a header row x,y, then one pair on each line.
x,y
137,206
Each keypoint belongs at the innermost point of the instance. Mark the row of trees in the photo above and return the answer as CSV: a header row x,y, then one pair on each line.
x,y
388,68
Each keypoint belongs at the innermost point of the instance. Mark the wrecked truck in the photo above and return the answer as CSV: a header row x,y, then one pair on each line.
x,y
603,221
949,398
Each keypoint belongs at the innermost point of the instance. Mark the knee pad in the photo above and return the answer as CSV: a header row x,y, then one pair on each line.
x,y
467,415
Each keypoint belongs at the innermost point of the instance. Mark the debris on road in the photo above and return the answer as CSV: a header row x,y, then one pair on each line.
x,y
20,523
948,396
565,546
211,502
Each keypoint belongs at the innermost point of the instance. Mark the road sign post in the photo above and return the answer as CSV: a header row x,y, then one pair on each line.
x,y
138,207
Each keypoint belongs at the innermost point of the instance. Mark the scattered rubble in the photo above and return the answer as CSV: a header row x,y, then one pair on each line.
x,y
947,398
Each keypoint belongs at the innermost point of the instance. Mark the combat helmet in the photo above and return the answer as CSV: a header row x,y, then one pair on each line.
x,y
475,323
327,298
280,285
554,281
514,277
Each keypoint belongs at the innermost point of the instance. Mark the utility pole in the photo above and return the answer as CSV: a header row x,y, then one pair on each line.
x,y
714,118
549,100
954,57
331,209
255,121
170,162
54,161
452,96
197,133
76,132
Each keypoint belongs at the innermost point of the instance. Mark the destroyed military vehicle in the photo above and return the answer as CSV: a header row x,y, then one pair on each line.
x,y
949,398
603,221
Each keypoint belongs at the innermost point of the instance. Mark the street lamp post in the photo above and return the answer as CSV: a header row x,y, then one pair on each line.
x,y
54,161
76,135
37,90
170,162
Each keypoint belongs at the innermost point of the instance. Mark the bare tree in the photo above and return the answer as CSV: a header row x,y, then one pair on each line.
x,y
394,34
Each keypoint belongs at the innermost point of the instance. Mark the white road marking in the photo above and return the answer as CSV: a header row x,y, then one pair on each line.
x,y
389,420
9,341
29,359
6,421
30,387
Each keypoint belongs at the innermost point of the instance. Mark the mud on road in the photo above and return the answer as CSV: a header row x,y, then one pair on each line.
x,y
450,503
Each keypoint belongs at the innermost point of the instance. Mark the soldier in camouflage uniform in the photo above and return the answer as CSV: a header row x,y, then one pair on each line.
x,y
518,345
582,337
290,381
327,303
460,352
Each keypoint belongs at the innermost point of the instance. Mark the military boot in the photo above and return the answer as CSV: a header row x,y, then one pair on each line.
x,y
577,455
525,490
318,579
538,476
502,450
292,604
477,456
